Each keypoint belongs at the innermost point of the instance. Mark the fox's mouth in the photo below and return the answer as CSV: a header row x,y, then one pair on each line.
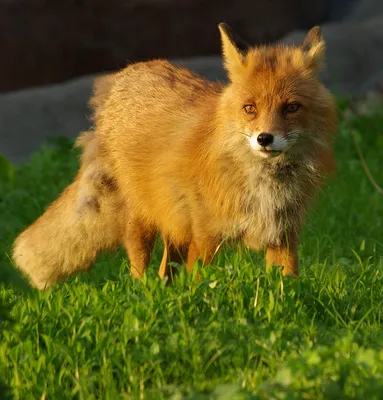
x,y
275,146
269,153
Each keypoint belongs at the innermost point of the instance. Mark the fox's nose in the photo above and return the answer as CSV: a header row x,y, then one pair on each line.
x,y
265,139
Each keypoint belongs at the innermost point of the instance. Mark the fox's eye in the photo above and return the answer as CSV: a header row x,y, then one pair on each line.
x,y
250,109
292,108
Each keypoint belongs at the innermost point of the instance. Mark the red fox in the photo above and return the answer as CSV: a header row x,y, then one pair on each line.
x,y
195,161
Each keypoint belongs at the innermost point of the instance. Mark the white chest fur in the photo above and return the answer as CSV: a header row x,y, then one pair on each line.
x,y
272,205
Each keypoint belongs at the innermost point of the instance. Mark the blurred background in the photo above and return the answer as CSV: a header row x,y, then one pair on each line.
x,y
46,41
51,50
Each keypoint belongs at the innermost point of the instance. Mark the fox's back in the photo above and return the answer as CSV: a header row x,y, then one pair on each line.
x,y
154,102
154,111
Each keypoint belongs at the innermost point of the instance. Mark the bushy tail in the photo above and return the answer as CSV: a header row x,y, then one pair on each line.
x,y
80,223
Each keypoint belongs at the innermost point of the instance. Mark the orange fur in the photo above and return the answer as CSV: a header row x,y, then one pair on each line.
x,y
175,145
84,220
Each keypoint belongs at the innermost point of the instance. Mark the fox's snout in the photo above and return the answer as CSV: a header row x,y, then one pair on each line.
x,y
269,144
265,139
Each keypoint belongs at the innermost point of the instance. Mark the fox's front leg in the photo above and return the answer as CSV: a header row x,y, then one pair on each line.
x,y
284,256
202,248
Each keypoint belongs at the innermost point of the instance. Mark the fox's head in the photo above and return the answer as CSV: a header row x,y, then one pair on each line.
x,y
275,101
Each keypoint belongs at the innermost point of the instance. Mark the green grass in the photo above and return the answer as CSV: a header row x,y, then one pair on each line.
x,y
241,333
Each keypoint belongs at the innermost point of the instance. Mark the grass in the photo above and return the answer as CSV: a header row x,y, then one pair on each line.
x,y
241,333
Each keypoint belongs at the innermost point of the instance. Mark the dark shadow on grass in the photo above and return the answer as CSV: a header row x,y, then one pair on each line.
x,y
5,320
107,267
5,392
10,276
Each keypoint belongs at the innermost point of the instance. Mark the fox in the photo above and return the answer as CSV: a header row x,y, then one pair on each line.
x,y
195,162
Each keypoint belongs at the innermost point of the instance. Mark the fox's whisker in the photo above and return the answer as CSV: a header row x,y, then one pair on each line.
x,y
294,133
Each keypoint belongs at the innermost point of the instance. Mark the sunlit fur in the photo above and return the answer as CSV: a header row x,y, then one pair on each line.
x,y
184,159
82,221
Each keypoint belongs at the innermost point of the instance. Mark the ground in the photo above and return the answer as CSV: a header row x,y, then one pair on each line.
x,y
240,333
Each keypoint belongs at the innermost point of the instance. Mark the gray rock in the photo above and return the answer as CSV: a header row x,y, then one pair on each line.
x,y
29,117
365,9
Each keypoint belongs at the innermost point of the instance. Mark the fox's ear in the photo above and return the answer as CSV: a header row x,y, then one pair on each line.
x,y
315,46
234,49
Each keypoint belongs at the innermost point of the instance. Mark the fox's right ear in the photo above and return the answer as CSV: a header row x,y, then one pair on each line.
x,y
234,50
315,46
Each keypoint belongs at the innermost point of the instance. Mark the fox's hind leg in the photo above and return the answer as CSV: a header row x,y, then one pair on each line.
x,y
172,254
139,240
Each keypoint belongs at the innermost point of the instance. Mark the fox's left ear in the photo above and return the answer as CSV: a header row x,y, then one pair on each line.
x,y
315,46
234,49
